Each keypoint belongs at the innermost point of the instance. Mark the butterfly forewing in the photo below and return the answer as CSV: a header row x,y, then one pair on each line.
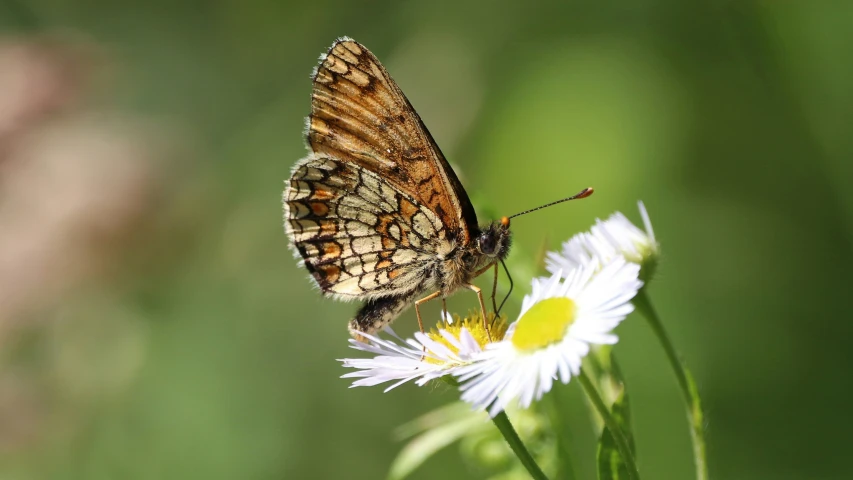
x,y
359,115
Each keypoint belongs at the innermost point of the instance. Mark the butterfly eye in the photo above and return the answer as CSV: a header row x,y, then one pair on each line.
x,y
486,242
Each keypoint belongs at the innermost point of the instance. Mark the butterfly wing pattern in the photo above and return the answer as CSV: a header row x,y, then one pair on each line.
x,y
375,211
359,237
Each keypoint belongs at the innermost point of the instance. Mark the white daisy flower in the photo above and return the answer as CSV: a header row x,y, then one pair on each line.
x,y
559,320
426,357
606,240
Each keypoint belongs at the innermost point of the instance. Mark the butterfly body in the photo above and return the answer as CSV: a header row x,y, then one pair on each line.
x,y
375,211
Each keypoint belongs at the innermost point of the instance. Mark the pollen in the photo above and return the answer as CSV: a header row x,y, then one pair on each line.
x,y
474,324
544,324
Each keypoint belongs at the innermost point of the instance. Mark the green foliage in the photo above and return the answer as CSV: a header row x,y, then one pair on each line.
x,y
480,443
611,465
434,431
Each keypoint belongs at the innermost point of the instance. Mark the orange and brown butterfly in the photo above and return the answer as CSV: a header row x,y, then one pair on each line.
x,y
374,210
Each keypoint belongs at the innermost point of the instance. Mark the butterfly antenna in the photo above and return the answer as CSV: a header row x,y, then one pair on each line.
x,y
582,194
498,312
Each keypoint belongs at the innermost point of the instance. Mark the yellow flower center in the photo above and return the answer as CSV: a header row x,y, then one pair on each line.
x,y
474,324
544,324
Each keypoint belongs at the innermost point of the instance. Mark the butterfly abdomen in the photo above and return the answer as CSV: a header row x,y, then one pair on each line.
x,y
375,314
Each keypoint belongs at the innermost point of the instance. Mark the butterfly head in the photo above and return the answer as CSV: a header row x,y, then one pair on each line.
x,y
494,240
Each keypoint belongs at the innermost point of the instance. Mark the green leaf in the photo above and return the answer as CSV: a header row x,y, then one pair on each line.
x,y
611,465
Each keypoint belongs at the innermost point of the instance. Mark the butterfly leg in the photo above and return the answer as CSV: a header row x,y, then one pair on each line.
x,y
479,292
494,290
418,309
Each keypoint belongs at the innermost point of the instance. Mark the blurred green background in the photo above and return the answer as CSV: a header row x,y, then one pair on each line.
x,y
197,349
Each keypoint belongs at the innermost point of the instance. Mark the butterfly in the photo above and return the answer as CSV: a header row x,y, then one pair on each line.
x,y
375,211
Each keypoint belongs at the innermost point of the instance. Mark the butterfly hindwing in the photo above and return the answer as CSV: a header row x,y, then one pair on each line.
x,y
359,237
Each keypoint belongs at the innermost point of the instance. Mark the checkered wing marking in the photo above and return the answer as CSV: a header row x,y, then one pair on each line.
x,y
360,115
359,236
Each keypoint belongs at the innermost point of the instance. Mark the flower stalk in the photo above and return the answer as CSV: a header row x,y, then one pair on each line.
x,y
685,382
501,421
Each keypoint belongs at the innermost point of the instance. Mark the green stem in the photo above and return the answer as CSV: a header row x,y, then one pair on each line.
x,y
503,424
685,382
611,424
